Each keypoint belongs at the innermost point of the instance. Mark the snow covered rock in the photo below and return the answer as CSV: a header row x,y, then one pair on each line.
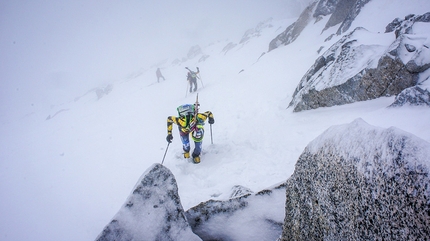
x,y
251,217
239,191
342,12
349,71
363,66
359,182
152,212
228,47
413,41
293,31
405,26
256,32
194,52
412,96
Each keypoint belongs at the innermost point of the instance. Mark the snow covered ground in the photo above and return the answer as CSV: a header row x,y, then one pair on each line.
x,y
66,177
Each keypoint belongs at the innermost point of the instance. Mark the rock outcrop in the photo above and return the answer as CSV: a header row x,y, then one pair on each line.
x,y
414,96
342,12
356,70
353,182
194,52
293,31
256,32
152,212
358,182
251,217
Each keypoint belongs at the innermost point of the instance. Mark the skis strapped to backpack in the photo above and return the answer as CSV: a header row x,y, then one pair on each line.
x,y
193,125
196,105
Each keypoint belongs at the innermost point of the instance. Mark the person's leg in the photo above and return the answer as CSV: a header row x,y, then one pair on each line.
x,y
195,85
197,151
197,148
185,139
197,136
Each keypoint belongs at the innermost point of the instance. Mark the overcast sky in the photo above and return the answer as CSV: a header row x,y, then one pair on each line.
x,y
63,42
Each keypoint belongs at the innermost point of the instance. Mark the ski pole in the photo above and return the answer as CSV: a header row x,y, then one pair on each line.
x,y
186,91
200,78
165,153
212,141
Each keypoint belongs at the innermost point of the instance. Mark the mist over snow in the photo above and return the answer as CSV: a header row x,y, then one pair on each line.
x,y
82,115
61,49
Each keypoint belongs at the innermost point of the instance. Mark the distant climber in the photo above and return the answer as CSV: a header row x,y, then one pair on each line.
x,y
192,78
189,121
159,75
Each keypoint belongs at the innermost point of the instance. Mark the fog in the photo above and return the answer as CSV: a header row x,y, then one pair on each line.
x,y
72,46
66,166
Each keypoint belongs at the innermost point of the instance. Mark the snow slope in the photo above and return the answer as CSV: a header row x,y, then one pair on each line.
x,y
66,177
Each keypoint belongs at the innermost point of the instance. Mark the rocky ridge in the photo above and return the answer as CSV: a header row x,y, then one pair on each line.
x,y
355,70
358,182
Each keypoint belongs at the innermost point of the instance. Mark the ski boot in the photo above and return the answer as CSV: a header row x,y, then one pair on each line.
x,y
186,155
196,159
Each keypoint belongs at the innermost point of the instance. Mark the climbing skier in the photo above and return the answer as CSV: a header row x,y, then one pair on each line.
x,y
189,121
192,78
159,75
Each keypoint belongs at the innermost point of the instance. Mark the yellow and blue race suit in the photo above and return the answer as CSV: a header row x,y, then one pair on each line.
x,y
190,124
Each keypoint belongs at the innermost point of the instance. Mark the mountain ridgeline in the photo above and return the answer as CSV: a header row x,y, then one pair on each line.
x,y
386,73
353,182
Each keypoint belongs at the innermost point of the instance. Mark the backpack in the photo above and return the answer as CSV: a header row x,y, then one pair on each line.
x,y
184,110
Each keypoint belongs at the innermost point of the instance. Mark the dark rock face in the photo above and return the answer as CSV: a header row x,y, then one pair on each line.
x,y
342,11
353,8
404,26
325,7
389,78
256,32
414,96
228,47
194,52
293,31
240,218
331,80
357,182
152,212
416,46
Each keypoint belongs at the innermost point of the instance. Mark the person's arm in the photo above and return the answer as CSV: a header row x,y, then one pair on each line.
x,y
170,121
206,115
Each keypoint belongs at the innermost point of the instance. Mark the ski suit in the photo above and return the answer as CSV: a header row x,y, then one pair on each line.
x,y
159,75
190,124
192,79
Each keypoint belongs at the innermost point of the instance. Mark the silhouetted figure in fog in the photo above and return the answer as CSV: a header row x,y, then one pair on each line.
x,y
159,75
192,78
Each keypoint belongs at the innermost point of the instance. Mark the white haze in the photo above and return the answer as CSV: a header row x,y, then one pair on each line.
x,y
67,47
66,177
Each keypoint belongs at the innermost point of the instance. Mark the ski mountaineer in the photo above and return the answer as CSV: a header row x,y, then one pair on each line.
x,y
192,78
159,75
189,121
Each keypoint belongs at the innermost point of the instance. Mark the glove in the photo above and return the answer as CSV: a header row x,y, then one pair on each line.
x,y
211,120
198,69
169,138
